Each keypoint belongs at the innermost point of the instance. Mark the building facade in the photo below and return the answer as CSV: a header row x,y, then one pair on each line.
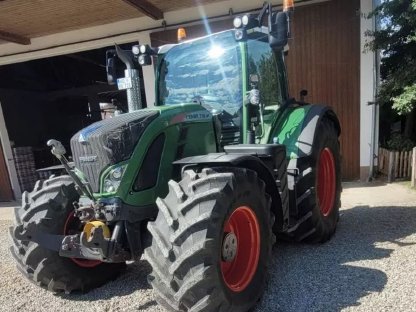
x,y
327,57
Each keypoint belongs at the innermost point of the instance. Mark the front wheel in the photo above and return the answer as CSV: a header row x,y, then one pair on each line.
x,y
50,207
211,242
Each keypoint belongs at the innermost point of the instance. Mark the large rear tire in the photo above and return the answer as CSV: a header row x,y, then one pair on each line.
x,y
318,187
195,265
50,207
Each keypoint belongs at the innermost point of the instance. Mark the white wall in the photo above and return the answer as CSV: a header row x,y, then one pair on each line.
x,y
367,79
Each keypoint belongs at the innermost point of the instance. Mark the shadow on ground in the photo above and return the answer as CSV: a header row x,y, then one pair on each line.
x,y
325,277
132,279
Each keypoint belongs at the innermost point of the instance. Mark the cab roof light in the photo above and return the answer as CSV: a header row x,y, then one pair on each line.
x,y
181,34
288,5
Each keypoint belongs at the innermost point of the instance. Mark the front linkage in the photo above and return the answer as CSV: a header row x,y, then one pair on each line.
x,y
95,241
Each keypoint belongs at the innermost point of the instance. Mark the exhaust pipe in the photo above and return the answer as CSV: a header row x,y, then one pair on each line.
x,y
132,75
131,81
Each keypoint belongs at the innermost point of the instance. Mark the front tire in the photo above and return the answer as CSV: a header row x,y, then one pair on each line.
x,y
50,207
199,220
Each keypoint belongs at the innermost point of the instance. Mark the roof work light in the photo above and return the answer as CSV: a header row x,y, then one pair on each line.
x,y
181,34
288,5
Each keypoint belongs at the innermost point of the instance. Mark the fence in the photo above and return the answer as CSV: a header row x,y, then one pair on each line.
x,y
396,165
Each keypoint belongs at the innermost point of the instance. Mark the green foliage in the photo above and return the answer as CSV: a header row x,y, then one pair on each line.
x,y
268,73
405,102
396,39
400,143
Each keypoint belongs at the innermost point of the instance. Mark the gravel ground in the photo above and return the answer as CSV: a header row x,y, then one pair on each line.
x,y
369,265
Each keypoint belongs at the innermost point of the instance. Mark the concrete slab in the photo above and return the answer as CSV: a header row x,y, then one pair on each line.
x,y
6,209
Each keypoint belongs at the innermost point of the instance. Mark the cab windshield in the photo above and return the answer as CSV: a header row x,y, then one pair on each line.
x,y
206,71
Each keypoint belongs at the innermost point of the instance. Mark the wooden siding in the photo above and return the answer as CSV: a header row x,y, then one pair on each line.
x,y
5,189
324,58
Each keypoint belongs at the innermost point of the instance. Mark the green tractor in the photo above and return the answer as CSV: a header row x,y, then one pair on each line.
x,y
201,184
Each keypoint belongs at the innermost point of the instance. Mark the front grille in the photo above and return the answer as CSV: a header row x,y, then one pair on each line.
x,y
108,142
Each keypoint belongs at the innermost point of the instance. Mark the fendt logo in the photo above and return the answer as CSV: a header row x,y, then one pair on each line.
x,y
88,159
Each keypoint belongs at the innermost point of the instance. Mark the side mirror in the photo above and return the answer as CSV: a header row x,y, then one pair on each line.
x,y
279,31
111,67
254,79
254,93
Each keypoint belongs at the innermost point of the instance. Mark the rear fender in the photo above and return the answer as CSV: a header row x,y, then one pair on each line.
x,y
296,129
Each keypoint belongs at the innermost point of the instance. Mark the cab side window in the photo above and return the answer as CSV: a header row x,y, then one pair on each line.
x,y
262,62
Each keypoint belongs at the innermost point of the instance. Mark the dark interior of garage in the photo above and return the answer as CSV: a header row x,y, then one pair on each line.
x,y
53,98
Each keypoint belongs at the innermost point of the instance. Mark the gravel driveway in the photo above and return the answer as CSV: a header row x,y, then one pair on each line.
x,y
369,265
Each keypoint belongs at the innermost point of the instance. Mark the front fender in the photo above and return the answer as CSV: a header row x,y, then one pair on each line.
x,y
249,162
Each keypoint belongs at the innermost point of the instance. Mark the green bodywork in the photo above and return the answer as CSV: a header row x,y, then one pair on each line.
x,y
288,127
277,124
200,140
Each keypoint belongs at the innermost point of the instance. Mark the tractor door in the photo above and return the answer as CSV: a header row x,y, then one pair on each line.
x,y
267,66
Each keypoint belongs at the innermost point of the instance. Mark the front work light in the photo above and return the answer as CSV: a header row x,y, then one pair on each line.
x,y
238,22
136,50
245,20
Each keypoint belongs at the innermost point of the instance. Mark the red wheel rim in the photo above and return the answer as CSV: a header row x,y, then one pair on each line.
x,y
326,181
239,272
72,227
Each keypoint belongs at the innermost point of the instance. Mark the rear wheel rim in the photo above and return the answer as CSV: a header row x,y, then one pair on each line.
x,y
72,226
239,272
326,181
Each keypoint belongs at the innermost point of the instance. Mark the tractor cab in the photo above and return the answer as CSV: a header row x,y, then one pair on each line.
x,y
237,75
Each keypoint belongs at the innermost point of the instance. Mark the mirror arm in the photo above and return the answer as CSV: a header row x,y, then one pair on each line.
x,y
266,9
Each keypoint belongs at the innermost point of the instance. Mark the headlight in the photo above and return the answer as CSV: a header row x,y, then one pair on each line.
x,y
117,173
113,179
110,187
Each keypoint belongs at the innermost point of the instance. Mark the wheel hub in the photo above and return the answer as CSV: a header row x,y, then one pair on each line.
x,y
229,247
240,250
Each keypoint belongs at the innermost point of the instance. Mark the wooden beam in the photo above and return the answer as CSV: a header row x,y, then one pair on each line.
x,y
6,36
147,8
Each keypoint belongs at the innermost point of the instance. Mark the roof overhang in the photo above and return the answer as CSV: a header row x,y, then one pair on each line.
x,y
128,21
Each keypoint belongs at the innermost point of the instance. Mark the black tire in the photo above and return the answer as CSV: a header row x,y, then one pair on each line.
x,y
314,226
185,253
49,206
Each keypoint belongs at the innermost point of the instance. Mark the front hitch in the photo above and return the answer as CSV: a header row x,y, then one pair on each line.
x,y
96,245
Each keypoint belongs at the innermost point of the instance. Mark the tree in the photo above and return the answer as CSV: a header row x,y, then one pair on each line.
x,y
396,39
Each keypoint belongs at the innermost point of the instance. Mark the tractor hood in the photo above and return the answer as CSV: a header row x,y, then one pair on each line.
x,y
108,142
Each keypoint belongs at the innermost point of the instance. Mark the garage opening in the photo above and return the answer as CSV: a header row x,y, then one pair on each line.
x,y
53,98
